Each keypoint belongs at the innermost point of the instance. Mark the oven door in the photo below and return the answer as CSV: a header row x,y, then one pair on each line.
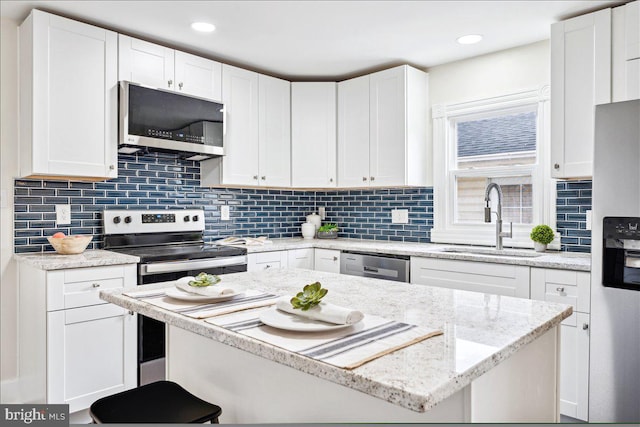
x,y
151,332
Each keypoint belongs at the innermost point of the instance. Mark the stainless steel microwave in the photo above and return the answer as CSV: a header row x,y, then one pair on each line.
x,y
161,120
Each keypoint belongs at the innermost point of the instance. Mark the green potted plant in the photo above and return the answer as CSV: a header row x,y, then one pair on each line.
x,y
328,231
542,235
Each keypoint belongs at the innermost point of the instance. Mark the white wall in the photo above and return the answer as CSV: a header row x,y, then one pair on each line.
x,y
494,74
8,170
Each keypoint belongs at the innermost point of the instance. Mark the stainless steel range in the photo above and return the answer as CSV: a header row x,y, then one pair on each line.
x,y
170,245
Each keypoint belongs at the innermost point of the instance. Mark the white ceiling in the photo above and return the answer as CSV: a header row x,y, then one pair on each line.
x,y
323,40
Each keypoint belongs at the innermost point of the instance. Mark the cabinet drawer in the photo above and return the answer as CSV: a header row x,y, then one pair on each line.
x,y
267,260
268,257
563,286
499,279
81,287
327,260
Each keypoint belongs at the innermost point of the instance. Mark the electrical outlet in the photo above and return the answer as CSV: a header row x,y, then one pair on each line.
x,y
589,220
322,213
63,214
400,216
224,213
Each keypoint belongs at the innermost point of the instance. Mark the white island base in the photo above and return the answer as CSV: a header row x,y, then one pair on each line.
x,y
253,389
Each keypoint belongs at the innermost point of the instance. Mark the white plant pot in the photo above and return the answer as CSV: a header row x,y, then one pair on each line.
x,y
539,247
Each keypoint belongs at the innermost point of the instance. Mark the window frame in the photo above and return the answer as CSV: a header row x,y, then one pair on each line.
x,y
445,118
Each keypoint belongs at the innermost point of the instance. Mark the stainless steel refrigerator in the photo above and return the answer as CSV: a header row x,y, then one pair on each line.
x,y
614,365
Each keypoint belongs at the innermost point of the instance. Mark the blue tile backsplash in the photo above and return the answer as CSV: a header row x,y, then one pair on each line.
x,y
573,202
167,182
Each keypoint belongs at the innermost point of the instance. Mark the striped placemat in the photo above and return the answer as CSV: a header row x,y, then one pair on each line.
x,y
347,348
201,310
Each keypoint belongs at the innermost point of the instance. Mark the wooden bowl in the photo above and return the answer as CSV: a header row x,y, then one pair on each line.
x,y
70,245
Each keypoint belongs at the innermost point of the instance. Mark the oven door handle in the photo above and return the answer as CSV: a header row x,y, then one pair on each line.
x,y
173,266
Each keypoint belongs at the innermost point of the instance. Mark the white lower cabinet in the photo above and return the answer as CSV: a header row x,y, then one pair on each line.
x,y
573,288
301,258
499,279
327,260
74,347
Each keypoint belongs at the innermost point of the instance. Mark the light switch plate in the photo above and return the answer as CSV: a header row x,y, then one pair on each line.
x,y
322,213
589,220
63,214
400,216
224,213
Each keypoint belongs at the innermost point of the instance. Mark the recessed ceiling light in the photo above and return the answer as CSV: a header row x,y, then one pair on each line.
x,y
204,27
469,39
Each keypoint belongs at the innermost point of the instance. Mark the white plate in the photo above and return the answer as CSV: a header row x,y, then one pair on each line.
x,y
187,296
291,322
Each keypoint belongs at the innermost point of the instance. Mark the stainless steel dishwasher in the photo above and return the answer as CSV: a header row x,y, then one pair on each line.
x,y
379,266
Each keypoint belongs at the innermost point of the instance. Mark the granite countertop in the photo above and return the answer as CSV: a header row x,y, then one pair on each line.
x,y
90,258
480,331
549,259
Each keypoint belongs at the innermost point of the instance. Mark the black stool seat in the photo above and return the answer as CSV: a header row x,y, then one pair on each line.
x,y
158,402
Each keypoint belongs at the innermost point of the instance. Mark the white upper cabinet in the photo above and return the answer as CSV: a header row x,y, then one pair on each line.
x,y
353,132
257,132
240,97
68,98
313,134
145,63
158,66
625,54
580,79
399,102
382,129
274,137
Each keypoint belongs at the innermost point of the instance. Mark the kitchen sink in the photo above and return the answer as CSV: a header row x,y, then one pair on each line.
x,y
493,252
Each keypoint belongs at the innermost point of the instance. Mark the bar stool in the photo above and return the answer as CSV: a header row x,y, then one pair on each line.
x,y
158,402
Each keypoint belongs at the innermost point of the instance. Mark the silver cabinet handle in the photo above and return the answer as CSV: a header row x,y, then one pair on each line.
x,y
169,83
131,312
364,178
263,177
96,285
111,167
335,258
255,176
180,85
267,266
556,166
585,326
560,290
330,179
373,178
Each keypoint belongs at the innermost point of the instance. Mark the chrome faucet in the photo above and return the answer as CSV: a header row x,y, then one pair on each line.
x,y
487,214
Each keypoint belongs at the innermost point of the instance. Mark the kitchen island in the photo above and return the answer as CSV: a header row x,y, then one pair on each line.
x,y
496,361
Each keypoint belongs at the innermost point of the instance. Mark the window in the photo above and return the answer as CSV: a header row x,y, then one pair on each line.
x,y
499,140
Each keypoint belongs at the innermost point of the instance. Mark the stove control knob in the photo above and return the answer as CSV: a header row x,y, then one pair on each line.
x,y
186,218
127,219
116,220
195,218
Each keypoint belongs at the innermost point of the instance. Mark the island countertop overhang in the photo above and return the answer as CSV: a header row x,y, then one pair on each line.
x,y
480,331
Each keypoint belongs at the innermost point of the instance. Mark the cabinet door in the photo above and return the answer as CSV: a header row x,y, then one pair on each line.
x,y
240,98
353,132
574,366
388,127
145,63
327,260
91,354
580,79
275,131
198,76
301,258
632,30
69,76
313,134
267,260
